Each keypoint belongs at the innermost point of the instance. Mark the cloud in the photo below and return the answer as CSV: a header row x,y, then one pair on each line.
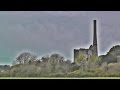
x,y
61,31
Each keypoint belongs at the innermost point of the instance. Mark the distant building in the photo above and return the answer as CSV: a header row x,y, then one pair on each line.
x,y
92,49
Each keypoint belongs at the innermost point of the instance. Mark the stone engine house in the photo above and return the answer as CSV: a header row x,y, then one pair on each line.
x,y
92,49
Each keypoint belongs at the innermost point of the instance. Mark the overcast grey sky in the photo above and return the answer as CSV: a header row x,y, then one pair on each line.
x,y
45,32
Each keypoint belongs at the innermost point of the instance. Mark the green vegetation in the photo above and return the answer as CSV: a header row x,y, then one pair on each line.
x,y
56,66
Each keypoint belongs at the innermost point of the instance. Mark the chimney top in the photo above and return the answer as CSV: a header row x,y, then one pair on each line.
x,y
94,20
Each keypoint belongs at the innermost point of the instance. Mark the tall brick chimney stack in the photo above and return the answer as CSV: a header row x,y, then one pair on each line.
x,y
95,51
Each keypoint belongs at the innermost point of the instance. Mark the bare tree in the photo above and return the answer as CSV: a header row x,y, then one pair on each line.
x,y
25,58
45,58
56,58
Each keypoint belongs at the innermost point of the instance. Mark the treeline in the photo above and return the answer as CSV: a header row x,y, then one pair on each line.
x,y
55,65
28,65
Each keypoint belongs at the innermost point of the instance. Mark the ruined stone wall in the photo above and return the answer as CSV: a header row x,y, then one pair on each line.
x,y
76,54
87,53
84,52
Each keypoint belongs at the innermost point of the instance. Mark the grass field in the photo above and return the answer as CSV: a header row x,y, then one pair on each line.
x,y
59,78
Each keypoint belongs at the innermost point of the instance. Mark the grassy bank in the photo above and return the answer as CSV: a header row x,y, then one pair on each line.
x,y
59,78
